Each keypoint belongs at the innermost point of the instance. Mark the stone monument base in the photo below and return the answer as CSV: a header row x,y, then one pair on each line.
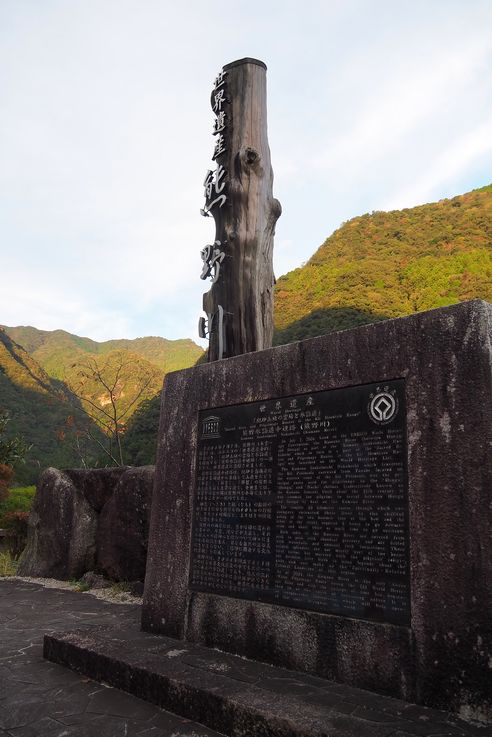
x,y
414,623
240,697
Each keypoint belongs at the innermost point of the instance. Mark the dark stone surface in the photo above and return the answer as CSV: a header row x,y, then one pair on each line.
x,y
241,697
443,659
96,484
371,655
61,540
304,502
136,588
84,519
41,699
124,526
95,581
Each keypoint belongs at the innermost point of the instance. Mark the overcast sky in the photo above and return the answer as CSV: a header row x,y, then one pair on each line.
x,y
105,138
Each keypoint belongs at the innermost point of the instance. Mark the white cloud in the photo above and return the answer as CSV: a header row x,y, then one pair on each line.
x,y
446,167
406,99
52,307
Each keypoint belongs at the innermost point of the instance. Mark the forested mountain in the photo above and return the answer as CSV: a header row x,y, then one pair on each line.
x,y
66,394
141,433
58,352
43,412
390,264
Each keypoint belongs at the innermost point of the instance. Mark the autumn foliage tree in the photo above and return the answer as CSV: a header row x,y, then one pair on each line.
x,y
109,390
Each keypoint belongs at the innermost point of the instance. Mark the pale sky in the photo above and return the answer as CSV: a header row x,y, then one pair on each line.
x,y
105,138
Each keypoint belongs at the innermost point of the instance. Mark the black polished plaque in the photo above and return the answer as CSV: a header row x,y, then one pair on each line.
x,y
302,501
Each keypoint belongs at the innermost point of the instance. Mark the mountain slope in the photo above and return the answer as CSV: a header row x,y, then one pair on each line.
x,y
76,374
390,264
42,411
21,369
137,366
120,376
57,350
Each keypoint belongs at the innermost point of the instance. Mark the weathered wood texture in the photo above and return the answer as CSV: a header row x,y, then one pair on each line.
x,y
246,224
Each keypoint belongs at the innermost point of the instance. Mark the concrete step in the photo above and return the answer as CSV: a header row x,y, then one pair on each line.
x,y
239,697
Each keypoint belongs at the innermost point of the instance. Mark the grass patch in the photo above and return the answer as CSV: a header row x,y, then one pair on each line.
x,y
78,585
20,499
120,588
8,566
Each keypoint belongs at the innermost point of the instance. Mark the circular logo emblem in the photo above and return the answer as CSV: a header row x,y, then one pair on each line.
x,y
382,408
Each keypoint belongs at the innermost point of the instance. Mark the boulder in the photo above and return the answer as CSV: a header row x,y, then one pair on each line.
x,y
95,581
123,526
87,519
136,588
96,484
61,540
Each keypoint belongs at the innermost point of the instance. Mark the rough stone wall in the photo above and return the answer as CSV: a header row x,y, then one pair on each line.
x,y
84,520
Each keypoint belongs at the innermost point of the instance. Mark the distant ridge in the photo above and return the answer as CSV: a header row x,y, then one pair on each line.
x,y
57,350
40,374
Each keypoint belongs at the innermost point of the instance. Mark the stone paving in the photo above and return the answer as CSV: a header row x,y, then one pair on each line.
x,y
40,699
241,697
233,695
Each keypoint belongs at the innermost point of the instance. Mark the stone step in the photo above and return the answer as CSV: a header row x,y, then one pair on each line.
x,y
239,697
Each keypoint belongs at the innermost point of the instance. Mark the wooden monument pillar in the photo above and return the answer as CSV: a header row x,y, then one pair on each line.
x,y
238,195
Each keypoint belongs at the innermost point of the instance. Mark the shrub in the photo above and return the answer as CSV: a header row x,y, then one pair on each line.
x,y
79,585
8,566
20,499
12,451
16,526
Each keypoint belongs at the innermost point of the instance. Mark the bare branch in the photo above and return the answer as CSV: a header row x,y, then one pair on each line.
x,y
108,452
143,388
93,404
116,376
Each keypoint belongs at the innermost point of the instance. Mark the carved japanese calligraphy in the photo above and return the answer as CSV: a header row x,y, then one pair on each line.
x,y
238,195
212,258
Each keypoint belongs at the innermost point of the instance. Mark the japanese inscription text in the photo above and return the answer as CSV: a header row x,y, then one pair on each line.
x,y
302,501
216,196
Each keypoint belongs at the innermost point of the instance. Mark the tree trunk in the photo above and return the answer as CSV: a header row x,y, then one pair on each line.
x,y
245,223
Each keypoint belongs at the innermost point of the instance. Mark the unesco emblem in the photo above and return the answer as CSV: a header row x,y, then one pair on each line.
x,y
383,406
211,427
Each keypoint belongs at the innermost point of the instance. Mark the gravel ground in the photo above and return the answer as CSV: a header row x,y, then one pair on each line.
x,y
110,594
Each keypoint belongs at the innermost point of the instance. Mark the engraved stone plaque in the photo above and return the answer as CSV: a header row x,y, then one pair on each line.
x,y
302,501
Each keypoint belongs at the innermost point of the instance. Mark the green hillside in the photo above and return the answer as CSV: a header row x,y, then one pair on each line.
x,y
20,369
42,411
58,388
136,368
390,264
141,434
57,351
125,377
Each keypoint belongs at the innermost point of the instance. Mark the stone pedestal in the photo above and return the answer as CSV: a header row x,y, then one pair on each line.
x,y
442,656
